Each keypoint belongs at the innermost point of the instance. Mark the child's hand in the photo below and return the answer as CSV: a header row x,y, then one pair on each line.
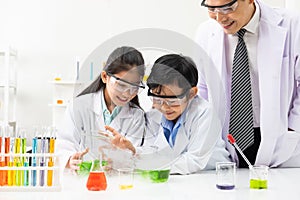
x,y
120,141
76,159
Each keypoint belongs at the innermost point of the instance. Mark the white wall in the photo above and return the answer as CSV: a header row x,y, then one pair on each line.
x,y
50,34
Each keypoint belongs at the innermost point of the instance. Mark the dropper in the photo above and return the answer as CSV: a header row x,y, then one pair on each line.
x,y
232,141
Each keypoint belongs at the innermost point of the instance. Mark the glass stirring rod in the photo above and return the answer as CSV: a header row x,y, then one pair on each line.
x,y
232,141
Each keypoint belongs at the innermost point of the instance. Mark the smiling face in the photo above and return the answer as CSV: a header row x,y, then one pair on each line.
x,y
171,108
232,22
118,91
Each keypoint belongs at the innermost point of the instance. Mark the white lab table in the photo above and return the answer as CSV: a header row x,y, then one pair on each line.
x,y
282,184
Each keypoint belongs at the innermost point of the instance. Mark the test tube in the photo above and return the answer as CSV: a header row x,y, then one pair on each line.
x,y
26,172
33,158
24,159
2,181
17,161
12,176
7,144
51,159
42,159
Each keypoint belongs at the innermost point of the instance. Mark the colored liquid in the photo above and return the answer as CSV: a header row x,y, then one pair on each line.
x,y
258,184
225,187
50,174
159,176
125,187
2,174
42,174
26,174
11,177
84,168
18,174
59,101
96,181
6,150
33,175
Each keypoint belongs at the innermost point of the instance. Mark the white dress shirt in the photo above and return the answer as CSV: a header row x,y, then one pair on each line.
x,y
250,38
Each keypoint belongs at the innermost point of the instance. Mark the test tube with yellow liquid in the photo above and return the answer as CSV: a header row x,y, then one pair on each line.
x,y
51,159
18,162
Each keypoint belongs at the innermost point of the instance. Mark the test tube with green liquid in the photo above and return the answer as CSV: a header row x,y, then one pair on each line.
x,y
17,162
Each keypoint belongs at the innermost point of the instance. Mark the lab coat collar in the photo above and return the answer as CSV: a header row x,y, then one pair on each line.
x,y
270,44
268,14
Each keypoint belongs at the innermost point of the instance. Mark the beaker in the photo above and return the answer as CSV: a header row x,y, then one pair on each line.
x,y
259,177
225,175
97,179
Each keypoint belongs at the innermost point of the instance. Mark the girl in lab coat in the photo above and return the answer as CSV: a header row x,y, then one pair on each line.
x,y
182,127
110,100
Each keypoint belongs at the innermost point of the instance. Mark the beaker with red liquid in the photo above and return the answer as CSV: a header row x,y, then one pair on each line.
x,y
97,179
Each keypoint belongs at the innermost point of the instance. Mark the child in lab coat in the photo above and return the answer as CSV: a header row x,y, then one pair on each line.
x,y
182,127
110,100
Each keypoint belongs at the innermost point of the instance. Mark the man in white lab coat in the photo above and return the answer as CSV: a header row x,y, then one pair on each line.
x,y
273,43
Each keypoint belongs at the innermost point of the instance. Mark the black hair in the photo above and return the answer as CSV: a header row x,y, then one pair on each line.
x,y
173,69
121,59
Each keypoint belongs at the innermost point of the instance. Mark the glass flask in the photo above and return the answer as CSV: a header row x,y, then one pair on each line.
x,y
97,179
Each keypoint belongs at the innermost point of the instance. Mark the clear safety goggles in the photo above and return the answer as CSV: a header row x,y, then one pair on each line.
x,y
124,86
222,9
171,101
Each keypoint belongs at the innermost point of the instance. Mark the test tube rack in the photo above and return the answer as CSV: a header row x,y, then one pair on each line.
x,y
40,173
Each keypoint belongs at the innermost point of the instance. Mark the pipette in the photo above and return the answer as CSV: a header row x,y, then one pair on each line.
x,y
232,141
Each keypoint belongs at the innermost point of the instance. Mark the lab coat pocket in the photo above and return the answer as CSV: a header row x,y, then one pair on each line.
x,y
285,147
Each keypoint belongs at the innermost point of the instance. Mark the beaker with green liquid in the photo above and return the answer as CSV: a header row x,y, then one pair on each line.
x,y
259,177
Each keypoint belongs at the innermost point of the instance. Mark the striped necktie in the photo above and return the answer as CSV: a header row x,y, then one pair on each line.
x,y
241,113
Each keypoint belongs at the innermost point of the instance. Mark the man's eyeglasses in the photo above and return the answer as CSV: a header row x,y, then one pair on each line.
x,y
223,9
123,86
171,101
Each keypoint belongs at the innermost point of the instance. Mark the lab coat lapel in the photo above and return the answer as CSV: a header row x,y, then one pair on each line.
x,y
118,121
269,62
97,109
217,73
181,141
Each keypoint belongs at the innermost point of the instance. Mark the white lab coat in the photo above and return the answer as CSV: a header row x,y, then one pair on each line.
x,y
278,63
198,143
85,114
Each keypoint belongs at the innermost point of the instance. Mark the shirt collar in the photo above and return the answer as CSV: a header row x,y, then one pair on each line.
x,y
104,107
252,25
170,125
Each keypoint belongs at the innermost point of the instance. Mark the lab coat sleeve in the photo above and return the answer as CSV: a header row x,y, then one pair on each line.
x,y
135,127
206,146
294,115
68,137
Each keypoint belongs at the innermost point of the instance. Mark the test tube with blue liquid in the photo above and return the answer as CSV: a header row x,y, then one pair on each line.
x,y
34,158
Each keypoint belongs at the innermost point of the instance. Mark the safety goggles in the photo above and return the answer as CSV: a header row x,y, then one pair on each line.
x,y
123,86
222,9
171,101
